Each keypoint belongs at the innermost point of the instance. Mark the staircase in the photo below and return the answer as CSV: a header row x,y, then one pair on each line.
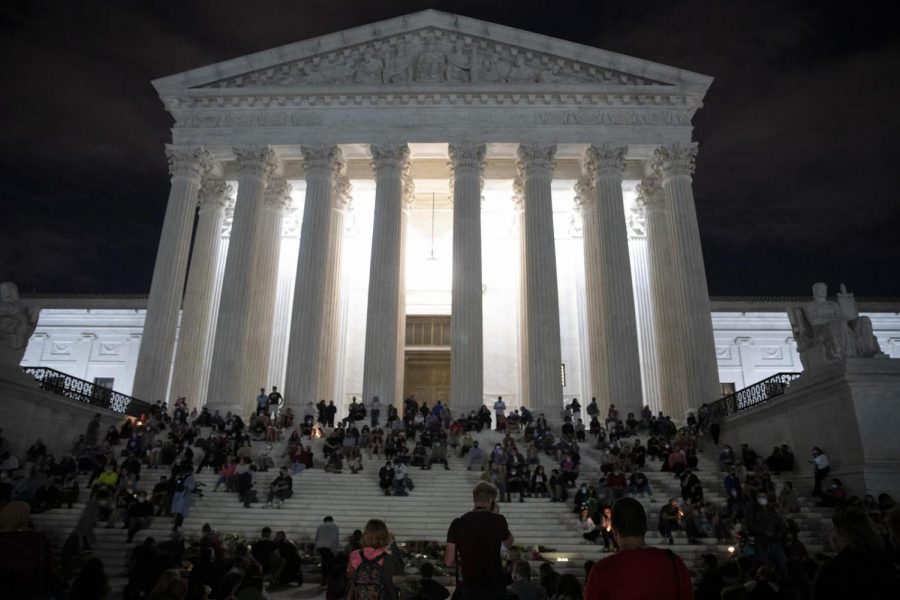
x,y
439,496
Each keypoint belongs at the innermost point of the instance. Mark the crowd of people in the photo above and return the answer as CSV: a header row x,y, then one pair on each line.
x,y
145,470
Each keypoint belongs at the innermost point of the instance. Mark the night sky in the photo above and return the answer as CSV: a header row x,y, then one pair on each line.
x,y
797,177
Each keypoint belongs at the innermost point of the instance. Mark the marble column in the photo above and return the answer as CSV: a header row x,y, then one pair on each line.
x,y
304,381
519,200
390,162
675,165
667,320
234,380
151,380
613,343
409,200
643,308
535,172
192,352
333,285
466,326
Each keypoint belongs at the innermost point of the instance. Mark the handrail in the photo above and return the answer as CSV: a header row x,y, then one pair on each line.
x,y
754,395
84,391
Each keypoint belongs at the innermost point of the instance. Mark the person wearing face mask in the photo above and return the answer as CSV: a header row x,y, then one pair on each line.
x,y
765,524
140,515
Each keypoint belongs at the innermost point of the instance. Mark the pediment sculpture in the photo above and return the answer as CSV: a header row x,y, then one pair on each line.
x,y
431,56
828,331
17,323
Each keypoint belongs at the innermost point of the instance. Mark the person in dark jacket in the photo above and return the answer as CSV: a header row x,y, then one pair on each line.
x,y
861,566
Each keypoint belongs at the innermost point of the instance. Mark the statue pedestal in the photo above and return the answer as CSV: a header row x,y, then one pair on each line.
x,y
851,410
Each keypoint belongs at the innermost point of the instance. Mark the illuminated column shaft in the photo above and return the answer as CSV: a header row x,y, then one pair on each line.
x,y
466,320
306,352
154,364
535,167
192,354
675,165
234,378
615,360
333,284
389,162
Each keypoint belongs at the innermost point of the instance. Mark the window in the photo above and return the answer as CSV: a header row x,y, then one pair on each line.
x,y
562,374
104,382
727,388
427,330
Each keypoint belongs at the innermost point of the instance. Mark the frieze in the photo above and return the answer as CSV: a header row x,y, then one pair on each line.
x,y
564,118
431,56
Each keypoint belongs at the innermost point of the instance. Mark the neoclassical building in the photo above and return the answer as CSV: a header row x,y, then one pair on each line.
x,y
431,205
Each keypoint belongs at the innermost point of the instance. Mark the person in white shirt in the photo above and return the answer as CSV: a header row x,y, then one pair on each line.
x,y
821,469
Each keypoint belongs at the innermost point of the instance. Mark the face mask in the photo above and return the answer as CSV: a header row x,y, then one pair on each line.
x,y
763,501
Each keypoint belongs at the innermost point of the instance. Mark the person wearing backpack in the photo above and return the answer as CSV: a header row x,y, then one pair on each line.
x,y
370,570
473,544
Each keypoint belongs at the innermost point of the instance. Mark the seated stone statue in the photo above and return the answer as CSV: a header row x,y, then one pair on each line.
x,y
827,330
17,323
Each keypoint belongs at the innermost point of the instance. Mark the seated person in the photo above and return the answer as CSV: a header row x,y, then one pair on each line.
x,y
476,457
539,483
669,517
419,455
557,487
386,478
638,484
617,483
281,488
401,480
788,499
335,463
515,483
834,494
438,455
428,587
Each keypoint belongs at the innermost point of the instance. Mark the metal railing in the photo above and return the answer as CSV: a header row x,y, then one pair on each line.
x,y
754,395
85,391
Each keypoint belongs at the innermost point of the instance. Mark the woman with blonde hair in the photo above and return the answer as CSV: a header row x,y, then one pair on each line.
x,y
370,570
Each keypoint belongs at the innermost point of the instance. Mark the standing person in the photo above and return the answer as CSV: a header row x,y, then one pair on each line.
x,y
371,569
275,401
328,541
637,571
821,469
500,413
262,402
330,412
375,410
93,432
182,497
473,544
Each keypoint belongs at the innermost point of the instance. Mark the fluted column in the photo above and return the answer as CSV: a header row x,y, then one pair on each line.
x,y
466,327
234,380
151,378
389,162
333,283
666,317
519,200
322,164
409,200
675,165
643,309
615,360
535,166
192,352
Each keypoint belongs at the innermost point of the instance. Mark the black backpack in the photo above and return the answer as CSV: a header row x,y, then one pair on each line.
x,y
367,582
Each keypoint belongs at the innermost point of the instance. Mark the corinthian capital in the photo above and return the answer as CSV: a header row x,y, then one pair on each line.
x,y
467,157
389,156
650,194
215,194
518,196
636,221
278,193
322,160
604,160
675,160
584,193
256,161
409,189
536,160
187,161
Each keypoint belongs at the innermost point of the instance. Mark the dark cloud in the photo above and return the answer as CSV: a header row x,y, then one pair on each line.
x,y
796,178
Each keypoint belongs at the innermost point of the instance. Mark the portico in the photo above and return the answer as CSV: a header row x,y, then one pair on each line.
x,y
522,153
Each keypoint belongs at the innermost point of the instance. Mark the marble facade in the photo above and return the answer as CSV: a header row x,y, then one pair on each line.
x,y
569,254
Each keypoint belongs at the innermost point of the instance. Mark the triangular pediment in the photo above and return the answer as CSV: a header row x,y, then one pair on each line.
x,y
434,50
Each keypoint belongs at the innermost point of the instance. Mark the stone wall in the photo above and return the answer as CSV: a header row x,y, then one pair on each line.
x,y
28,413
850,411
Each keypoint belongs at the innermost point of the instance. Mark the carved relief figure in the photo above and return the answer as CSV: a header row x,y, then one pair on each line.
x,y
17,323
459,64
521,72
370,69
430,64
833,329
397,67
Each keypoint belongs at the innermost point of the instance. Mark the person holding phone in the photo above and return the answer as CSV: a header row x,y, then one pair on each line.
x,y
473,545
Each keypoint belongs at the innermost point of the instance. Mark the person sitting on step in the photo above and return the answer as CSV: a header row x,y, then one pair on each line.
x,y
281,488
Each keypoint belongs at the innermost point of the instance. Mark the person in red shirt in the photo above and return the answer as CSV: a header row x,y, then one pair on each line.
x,y
636,571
